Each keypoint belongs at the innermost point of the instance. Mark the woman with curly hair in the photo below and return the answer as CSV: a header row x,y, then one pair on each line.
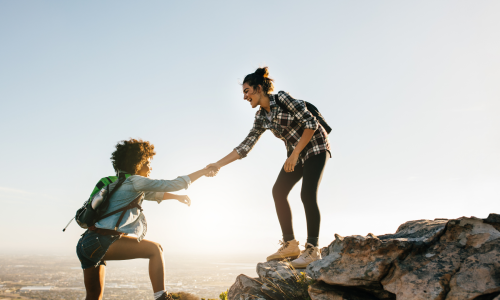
x,y
308,150
108,239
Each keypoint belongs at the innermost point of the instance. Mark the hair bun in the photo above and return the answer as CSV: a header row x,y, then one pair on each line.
x,y
264,72
260,78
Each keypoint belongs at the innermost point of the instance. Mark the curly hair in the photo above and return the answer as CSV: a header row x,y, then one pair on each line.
x,y
130,155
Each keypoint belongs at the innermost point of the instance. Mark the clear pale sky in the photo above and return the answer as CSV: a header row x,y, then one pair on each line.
x,y
410,88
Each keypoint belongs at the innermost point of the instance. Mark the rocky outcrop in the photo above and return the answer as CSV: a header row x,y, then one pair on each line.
x,y
322,291
246,288
276,281
425,259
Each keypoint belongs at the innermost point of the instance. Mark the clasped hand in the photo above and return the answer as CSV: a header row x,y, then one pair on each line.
x,y
213,169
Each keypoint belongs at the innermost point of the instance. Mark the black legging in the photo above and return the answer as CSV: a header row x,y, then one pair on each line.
x,y
311,174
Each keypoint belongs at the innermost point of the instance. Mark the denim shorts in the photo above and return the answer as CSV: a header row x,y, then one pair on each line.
x,y
92,247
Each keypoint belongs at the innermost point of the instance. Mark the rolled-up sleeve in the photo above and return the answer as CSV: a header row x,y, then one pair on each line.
x,y
299,109
145,184
249,142
154,196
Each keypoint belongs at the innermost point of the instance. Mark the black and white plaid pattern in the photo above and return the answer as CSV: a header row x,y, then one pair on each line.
x,y
287,126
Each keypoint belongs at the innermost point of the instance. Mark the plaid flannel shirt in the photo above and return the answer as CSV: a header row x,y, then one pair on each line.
x,y
288,126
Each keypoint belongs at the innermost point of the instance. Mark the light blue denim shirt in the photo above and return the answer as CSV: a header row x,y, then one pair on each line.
x,y
134,221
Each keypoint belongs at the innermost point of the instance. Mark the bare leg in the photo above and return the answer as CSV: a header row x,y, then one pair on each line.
x,y
129,248
94,282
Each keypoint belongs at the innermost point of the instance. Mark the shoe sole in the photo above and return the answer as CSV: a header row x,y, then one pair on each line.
x,y
281,258
299,266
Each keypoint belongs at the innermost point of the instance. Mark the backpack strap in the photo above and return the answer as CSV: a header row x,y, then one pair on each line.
x,y
283,106
120,182
132,204
311,108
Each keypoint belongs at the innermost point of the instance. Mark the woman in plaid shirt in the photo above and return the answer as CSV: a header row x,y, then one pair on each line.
x,y
308,151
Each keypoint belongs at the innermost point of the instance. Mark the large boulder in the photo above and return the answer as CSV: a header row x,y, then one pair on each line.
x,y
462,264
363,261
439,259
425,259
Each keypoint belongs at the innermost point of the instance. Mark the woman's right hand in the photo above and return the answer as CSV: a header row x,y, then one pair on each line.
x,y
213,169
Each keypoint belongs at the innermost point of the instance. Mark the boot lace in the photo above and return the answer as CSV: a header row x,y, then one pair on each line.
x,y
283,245
307,252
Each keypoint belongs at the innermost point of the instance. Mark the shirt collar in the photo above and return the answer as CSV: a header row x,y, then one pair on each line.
x,y
272,104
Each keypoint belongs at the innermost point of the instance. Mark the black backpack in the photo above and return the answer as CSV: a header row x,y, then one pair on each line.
x,y
311,108
87,216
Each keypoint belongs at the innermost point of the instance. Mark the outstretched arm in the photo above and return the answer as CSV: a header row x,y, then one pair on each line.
x,y
184,198
215,167
241,151
181,198
158,189
194,176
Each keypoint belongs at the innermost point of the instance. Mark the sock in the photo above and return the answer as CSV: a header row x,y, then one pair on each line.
x,y
313,241
288,237
159,294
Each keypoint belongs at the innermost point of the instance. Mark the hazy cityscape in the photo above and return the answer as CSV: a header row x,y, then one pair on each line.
x,y
49,277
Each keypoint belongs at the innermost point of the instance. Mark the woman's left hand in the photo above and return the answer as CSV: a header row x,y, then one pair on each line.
x,y
290,163
181,198
184,199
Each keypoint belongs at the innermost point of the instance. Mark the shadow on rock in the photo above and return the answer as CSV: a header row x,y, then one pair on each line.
x,y
425,259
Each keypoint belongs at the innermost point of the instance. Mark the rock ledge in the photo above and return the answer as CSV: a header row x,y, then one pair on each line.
x,y
437,259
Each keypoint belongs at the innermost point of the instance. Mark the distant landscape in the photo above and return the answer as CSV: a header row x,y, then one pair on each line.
x,y
60,277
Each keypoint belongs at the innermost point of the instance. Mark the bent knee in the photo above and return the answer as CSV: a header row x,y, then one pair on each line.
x,y
154,248
278,193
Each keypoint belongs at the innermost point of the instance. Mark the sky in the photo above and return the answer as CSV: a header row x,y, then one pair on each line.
x,y
410,88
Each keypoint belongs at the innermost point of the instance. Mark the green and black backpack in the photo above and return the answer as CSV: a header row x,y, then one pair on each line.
x,y
94,208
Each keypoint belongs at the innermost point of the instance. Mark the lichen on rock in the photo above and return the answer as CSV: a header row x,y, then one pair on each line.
x,y
437,259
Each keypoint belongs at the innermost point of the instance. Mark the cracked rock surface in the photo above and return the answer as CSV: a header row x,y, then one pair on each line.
x,y
425,259
246,288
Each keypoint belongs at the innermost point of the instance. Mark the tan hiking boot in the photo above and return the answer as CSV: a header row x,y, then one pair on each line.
x,y
307,256
288,250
